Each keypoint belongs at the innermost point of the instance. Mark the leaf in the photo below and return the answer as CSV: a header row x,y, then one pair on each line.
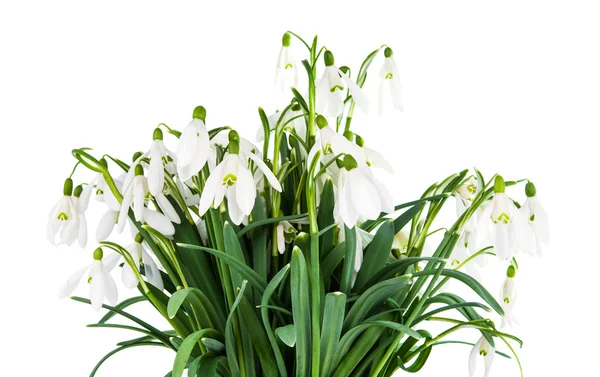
x,y
122,305
377,254
260,254
186,348
300,99
299,286
325,217
202,307
421,358
287,334
332,260
271,287
333,319
270,220
372,297
349,257
122,348
407,216
234,250
229,337
471,283
398,267
207,365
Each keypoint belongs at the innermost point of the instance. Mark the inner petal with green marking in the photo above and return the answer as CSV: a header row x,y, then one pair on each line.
x,y
336,87
62,216
229,179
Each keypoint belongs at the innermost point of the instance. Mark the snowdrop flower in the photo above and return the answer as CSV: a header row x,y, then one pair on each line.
x,y
359,194
81,199
460,254
193,147
390,81
374,158
159,159
102,285
286,75
62,217
509,230
246,147
135,197
537,217
140,255
330,90
331,143
485,349
298,124
232,179
508,296
286,233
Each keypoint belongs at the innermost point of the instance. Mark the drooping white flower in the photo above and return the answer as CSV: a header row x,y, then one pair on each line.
x,y
222,140
537,217
102,285
330,144
193,147
139,256
390,82
135,196
286,233
503,226
62,217
360,196
460,254
286,75
331,90
484,349
294,121
159,160
508,296
374,158
232,179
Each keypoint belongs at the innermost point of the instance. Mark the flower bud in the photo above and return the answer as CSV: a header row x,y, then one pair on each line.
x,y
139,170
511,271
329,59
68,187
388,52
321,121
139,238
98,254
499,185
349,162
530,190
199,113
78,191
286,40
158,134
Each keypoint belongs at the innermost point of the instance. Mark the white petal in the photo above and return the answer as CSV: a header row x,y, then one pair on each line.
x,y
128,277
322,92
110,199
358,256
501,241
110,290
235,213
86,194
106,225
211,186
540,225
280,238
53,225
139,197
159,222
110,261
156,171
97,285
151,271
82,236
488,360
521,233
379,160
473,358
266,171
72,283
124,211
357,93
166,206
364,195
245,190
186,148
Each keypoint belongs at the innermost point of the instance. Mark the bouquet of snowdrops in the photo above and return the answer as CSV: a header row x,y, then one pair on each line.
x,y
289,257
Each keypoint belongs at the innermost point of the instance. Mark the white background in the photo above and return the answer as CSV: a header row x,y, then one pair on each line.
x,y
510,87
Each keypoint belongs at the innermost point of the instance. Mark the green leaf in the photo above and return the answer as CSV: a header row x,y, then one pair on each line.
x,y
186,348
233,249
332,260
270,220
229,336
376,255
301,100
207,365
349,257
325,217
407,216
333,319
421,358
122,348
299,285
287,334
202,307
395,268
373,297
471,283
260,254
122,305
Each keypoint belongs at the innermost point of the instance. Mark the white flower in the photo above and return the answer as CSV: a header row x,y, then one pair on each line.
x,y
331,87
101,283
460,254
193,147
485,349
390,81
135,196
140,255
106,225
286,233
537,217
508,296
63,216
297,124
232,179
286,75
360,196
504,226
159,160
331,144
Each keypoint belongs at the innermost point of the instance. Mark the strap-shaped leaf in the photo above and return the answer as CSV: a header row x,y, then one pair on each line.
x,y
186,348
299,285
333,320
376,255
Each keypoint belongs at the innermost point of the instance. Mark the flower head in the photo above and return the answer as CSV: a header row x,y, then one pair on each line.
x,y
508,296
193,147
390,81
536,216
286,74
484,349
63,216
140,256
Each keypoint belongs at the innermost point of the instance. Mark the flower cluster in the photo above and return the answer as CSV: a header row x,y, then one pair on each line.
x,y
216,224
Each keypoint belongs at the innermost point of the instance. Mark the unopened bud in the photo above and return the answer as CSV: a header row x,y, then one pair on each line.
x,y
286,39
98,254
499,185
199,113
329,59
68,187
530,190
